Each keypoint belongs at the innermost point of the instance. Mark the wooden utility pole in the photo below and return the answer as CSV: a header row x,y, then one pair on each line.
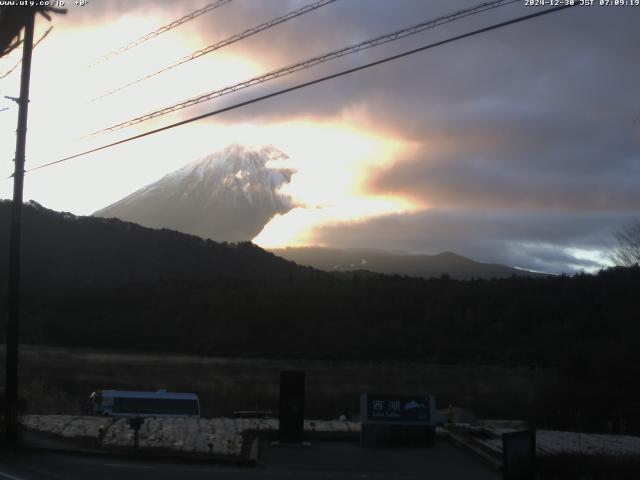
x,y
13,323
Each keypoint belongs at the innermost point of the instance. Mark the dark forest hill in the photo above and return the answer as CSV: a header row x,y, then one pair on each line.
x,y
97,283
62,250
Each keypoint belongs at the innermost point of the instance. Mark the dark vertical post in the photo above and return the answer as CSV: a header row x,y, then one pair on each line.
x,y
13,323
291,416
135,424
519,455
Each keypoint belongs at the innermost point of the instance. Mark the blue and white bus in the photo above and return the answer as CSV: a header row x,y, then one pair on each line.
x,y
124,403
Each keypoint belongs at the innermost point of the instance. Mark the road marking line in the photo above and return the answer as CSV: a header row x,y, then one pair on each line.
x,y
39,471
45,473
123,465
9,476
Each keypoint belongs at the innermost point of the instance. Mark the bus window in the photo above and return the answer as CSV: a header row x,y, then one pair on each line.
x,y
160,403
159,406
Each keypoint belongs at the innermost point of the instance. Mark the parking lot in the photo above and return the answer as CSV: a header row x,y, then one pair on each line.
x,y
334,460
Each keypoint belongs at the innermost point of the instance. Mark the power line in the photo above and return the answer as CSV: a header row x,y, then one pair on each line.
x,y
10,71
161,30
309,83
379,40
228,41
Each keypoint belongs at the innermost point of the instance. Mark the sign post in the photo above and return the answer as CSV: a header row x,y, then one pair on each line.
x,y
519,455
135,423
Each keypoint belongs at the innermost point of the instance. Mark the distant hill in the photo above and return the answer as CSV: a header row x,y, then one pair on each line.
x,y
426,266
227,196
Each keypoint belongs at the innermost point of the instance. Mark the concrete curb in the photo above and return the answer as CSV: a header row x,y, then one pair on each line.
x,y
490,459
311,436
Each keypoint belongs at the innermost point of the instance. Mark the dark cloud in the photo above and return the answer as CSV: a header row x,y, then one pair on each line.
x,y
498,180
580,63
537,241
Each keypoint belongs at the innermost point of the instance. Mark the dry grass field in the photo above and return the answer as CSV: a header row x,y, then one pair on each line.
x,y
60,380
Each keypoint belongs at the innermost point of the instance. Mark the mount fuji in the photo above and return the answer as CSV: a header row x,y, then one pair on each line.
x,y
227,196
232,194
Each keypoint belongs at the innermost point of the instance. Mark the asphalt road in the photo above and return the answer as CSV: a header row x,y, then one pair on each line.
x,y
335,461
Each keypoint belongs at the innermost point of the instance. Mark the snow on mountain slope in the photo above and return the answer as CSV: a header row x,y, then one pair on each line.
x,y
227,196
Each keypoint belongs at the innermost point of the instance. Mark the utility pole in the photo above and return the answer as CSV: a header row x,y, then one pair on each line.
x,y
13,323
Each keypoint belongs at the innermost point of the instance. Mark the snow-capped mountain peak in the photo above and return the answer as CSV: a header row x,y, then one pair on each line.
x,y
229,195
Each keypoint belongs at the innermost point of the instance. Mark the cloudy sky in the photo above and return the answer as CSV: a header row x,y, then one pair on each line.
x,y
518,146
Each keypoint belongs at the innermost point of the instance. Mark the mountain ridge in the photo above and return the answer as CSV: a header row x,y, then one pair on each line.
x,y
378,261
